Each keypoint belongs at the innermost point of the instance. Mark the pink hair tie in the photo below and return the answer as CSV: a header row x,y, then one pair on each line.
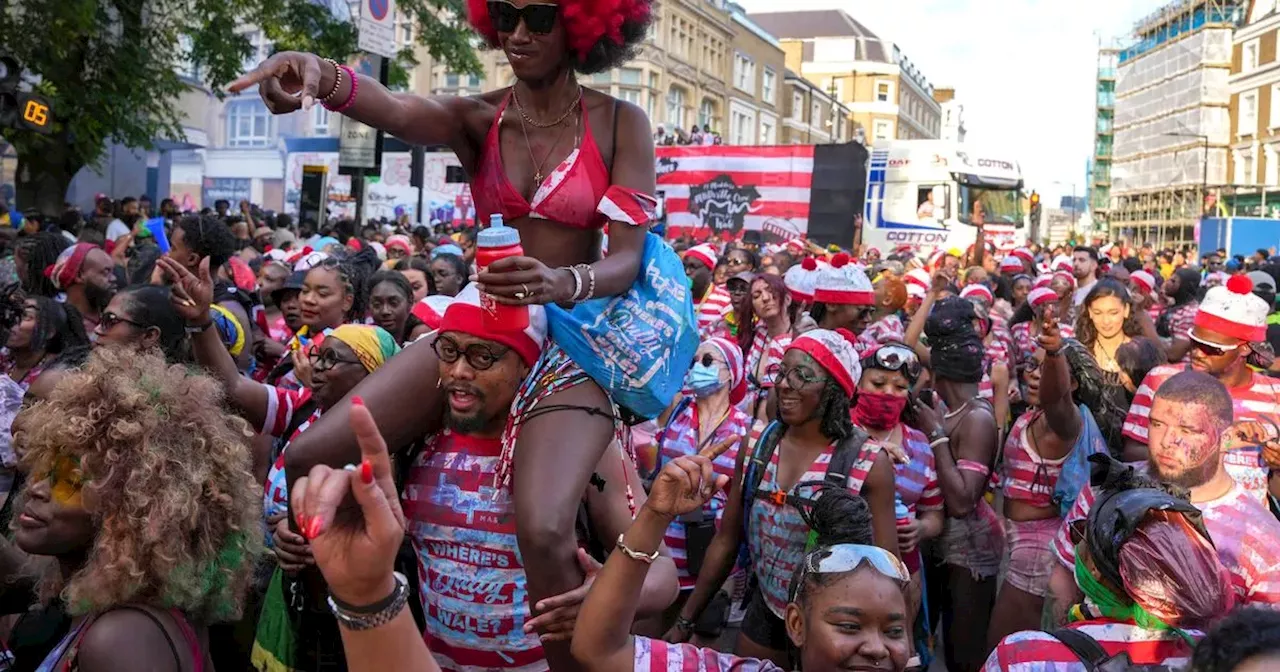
x,y
351,98
976,467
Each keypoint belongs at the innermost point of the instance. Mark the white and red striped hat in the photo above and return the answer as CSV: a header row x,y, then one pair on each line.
x,y
732,354
431,309
1025,255
844,283
833,351
796,245
1144,280
1065,275
918,282
1042,280
1063,263
1234,310
978,292
801,279
706,253
1040,296
1011,264
466,315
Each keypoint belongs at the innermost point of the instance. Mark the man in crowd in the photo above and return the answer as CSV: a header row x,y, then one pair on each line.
x,y
1187,426
87,275
196,237
118,229
711,302
1229,323
1084,266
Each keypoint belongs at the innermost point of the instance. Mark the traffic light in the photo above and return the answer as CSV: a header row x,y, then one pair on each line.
x,y
20,109
1035,210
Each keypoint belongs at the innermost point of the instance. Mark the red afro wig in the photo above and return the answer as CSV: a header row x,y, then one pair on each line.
x,y
602,34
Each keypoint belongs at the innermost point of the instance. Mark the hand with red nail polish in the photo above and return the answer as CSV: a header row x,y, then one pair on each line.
x,y
356,557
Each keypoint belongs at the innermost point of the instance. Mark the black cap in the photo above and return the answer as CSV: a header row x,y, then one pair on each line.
x,y
294,283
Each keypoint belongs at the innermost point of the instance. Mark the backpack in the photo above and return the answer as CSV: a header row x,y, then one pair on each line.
x,y
1076,469
1095,658
837,475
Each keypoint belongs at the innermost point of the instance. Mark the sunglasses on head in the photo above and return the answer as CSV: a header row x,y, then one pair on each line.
x,y
1210,348
894,357
843,558
538,17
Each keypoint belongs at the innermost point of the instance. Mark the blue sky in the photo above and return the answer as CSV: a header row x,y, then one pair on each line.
x,y
1024,69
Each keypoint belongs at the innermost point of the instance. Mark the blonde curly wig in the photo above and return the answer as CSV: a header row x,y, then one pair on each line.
x,y
167,482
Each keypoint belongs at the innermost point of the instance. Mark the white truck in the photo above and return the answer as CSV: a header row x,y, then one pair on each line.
x,y
926,193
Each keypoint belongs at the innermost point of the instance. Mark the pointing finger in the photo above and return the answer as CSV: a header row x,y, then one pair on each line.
x,y
373,451
719,449
255,76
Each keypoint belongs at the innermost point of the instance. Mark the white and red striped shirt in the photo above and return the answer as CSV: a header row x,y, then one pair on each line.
x,y
713,308
778,533
473,588
917,482
1036,651
282,403
1244,533
1025,476
655,655
760,376
1025,343
1257,400
884,330
995,352
1181,321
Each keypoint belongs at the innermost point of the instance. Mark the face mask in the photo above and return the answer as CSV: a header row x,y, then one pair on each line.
x,y
878,410
704,380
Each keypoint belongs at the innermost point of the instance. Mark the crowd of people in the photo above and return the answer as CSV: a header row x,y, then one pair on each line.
x,y
234,441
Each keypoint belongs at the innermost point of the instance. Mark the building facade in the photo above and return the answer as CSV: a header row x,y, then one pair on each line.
x,y
755,93
1103,135
952,112
887,96
812,116
1254,169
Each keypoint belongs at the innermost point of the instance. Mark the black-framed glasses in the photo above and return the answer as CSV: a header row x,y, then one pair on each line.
x,y
109,320
538,17
798,377
324,360
480,356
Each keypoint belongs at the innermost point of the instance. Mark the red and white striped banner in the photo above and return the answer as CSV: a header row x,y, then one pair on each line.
x,y
720,190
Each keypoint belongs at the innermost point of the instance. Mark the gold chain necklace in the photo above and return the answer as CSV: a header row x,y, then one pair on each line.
x,y
538,177
536,124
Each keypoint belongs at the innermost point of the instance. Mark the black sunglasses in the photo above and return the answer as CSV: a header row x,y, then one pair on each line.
x,y
539,18
108,320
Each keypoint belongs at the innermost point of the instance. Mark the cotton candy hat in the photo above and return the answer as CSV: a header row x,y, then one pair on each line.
x,y
1144,280
706,253
431,309
801,279
834,351
732,354
1063,263
1235,311
1042,280
1011,264
465,315
1041,295
844,283
978,292
1025,255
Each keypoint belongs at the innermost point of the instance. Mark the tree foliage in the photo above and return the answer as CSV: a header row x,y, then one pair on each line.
x,y
112,69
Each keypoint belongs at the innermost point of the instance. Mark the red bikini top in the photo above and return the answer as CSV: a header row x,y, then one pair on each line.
x,y
569,194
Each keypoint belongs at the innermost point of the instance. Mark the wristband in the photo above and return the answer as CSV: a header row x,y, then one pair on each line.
x,y
199,328
386,609
646,558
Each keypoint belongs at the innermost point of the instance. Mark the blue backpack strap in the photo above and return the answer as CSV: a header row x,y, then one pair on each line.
x,y
662,433
753,470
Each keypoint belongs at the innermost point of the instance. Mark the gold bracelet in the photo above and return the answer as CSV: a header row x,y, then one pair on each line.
x,y
635,555
337,81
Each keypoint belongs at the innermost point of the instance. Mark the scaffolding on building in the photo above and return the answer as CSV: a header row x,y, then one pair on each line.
x,y
1171,120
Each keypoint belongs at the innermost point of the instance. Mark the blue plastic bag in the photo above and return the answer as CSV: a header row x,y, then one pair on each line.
x,y
1076,469
638,345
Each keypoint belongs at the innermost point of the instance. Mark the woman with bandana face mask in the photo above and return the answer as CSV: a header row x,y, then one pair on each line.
x,y
888,373
707,415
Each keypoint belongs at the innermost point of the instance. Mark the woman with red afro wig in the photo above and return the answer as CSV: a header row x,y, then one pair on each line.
x,y
559,162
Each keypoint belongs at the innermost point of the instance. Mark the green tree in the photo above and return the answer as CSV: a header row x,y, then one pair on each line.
x,y
110,67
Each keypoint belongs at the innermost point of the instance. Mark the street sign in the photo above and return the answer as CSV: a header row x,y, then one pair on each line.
x,y
357,146
378,27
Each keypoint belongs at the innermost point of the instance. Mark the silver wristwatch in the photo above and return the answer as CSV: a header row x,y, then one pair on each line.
x,y
380,613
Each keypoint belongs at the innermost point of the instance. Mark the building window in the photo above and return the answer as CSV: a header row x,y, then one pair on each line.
x,y
744,72
675,107
797,105
404,31
651,106
1249,56
766,86
653,80
741,125
630,95
319,120
884,92
629,76
1248,176
767,133
706,114
883,130
1275,106
249,124
259,49
815,114
184,67
1247,122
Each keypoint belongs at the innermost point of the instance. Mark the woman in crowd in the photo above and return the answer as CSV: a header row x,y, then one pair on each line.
x,y
886,323
888,373
1151,578
1174,326
272,277
449,272
961,428
813,445
141,498
1034,453
707,416
1108,319
1247,640
32,255
47,329
736,324
843,297
399,247
420,276
766,342
1029,319
390,306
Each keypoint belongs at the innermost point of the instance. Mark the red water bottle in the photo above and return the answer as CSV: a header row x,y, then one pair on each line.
x,y
494,243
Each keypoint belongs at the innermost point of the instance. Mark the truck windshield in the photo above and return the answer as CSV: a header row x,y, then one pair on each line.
x,y
999,206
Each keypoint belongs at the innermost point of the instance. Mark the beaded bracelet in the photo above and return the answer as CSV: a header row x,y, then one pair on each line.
x,y
337,82
351,98
591,283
